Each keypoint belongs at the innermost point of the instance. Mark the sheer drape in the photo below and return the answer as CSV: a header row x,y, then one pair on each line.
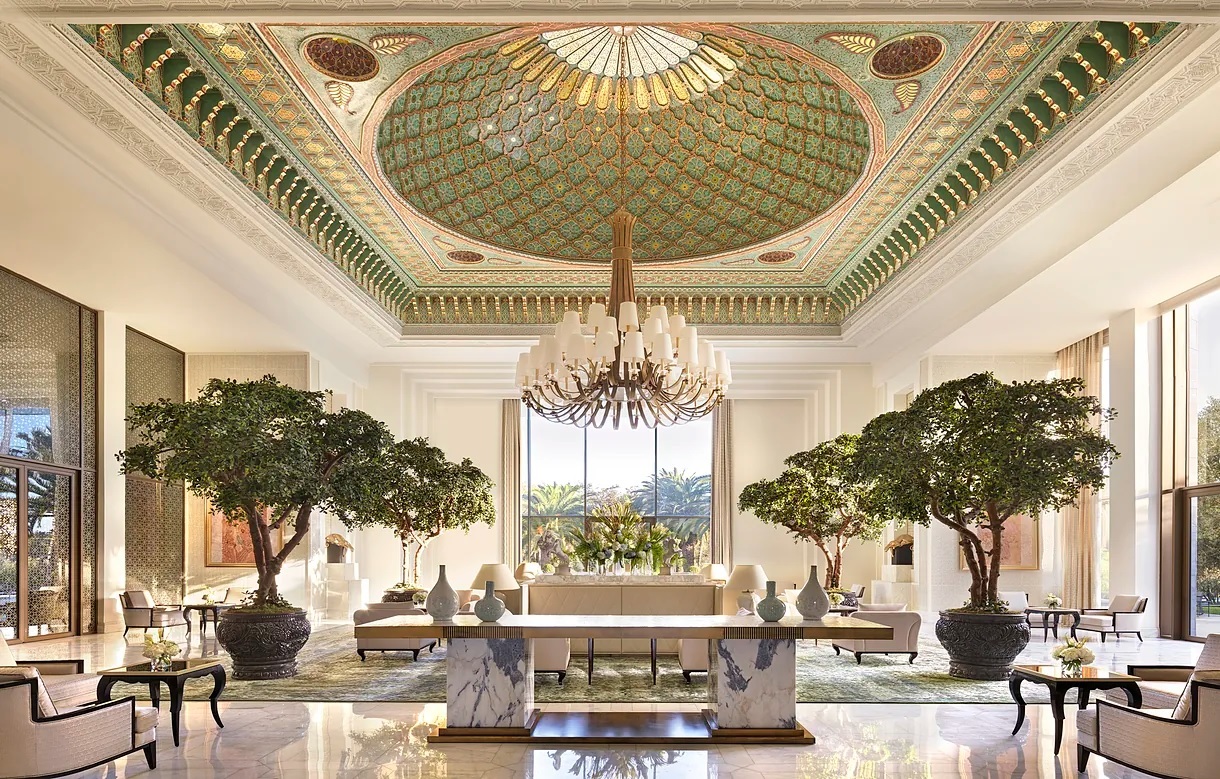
x,y
510,482
722,483
1078,526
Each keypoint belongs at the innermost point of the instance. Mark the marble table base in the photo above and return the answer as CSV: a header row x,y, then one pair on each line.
x,y
752,683
490,683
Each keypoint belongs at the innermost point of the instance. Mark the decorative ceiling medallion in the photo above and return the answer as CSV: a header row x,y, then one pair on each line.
x,y
465,257
906,56
342,58
777,257
658,64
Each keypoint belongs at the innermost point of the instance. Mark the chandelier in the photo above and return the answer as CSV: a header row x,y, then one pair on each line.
x,y
608,367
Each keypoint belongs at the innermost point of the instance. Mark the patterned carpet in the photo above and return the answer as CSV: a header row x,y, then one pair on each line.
x,y
331,671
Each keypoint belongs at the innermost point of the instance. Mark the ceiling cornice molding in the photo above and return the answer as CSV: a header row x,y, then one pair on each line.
x,y
609,11
67,67
1189,65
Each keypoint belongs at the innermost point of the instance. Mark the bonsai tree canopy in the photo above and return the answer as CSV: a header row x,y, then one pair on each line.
x,y
416,491
974,452
821,497
261,452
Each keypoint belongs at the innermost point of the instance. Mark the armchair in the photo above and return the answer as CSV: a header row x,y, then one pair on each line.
x,y
1162,685
551,655
41,742
376,611
64,681
693,656
906,626
141,611
1122,615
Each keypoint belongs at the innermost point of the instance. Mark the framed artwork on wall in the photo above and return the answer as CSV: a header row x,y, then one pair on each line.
x,y
1021,547
229,544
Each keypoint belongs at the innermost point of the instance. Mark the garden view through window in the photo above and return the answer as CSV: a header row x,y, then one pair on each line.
x,y
569,473
1203,460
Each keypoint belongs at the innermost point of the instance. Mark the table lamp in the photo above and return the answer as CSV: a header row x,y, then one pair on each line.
x,y
746,579
716,572
500,575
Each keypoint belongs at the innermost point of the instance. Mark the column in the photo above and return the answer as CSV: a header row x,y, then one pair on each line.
x,y
490,683
751,682
112,485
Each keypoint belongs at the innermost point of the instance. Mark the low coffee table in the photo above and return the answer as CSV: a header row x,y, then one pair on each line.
x,y
175,678
1091,678
1050,619
204,610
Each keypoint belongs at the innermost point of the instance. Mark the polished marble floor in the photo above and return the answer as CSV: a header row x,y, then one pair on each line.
x,y
387,740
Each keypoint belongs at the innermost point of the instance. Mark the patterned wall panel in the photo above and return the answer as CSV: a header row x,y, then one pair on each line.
x,y
156,510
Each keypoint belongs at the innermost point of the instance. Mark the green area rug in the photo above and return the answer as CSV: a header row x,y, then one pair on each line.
x,y
331,671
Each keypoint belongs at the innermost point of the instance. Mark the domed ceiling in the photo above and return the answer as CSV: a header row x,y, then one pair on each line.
x,y
781,174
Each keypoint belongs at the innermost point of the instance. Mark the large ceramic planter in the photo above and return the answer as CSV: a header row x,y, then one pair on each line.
x,y
263,646
401,596
982,646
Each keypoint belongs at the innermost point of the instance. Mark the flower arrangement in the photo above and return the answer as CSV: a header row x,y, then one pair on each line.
x,y
208,599
1073,654
619,536
419,597
160,651
1053,601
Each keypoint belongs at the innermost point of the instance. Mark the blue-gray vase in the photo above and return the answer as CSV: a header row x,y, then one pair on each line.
x,y
771,608
489,608
442,601
813,602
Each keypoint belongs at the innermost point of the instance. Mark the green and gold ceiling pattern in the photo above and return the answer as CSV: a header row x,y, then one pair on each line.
x,y
781,174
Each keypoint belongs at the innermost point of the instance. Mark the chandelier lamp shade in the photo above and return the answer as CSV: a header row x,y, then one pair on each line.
x,y
612,366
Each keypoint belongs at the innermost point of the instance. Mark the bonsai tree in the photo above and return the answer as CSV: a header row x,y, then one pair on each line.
x,y
974,452
821,497
262,452
416,491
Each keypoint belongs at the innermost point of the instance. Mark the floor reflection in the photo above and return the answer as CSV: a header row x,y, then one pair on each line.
x,y
619,763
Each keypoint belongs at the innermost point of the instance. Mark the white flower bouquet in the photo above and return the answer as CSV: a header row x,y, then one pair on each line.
x,y
1073,654
159,650
1053,601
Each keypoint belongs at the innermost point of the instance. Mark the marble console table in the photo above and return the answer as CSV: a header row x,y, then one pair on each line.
x,y
751,684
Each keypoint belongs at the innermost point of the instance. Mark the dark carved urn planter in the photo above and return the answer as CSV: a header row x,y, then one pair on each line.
x,y
982,646
405,595
262,645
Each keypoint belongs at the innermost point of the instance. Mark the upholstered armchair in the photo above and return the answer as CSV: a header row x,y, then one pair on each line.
x,y
693,656
64,680
906,626
40,741
1122,615
1162,685
1017,601
551,655
1179,742
376,611
141,611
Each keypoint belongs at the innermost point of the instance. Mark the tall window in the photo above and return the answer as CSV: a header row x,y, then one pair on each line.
x,y
568,472
1201,501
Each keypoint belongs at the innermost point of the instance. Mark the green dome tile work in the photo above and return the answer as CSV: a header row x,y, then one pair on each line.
x,y
480,150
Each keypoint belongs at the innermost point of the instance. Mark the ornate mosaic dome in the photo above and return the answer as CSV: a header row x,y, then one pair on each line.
x,y
729,143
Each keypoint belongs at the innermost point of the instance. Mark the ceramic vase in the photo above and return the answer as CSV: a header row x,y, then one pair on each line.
x,y
771,608
442,601
813,602
489,608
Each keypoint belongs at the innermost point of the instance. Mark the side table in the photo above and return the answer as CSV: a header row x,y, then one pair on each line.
x,y
174,678
204,610
1091,678
1050,619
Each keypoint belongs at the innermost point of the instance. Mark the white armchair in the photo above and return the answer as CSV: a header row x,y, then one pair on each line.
x,y
1179,743
906,626
1122,615
1162,685
141,611
692,656
376,611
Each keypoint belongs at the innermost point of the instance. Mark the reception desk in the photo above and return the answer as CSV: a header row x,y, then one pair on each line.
x,y
751,683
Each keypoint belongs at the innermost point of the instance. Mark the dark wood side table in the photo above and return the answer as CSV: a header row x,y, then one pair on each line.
x,y
204,610
1091,678
175,678
1050,619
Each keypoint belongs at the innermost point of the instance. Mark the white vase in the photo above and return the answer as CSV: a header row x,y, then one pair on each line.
x,y
442,602
813,602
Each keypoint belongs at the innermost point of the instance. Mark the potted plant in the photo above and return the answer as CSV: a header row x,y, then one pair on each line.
x,y
267,455
820,497
416,491
971,454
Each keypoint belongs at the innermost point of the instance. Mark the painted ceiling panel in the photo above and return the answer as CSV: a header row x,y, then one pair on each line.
x,y
780,174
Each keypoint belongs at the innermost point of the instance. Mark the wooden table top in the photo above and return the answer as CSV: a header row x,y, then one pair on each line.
x,y
622,626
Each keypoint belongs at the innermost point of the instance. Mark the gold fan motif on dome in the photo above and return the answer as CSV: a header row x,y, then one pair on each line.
x,y
660,65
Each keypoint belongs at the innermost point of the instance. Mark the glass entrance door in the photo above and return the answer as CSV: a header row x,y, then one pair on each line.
x,y
1203,511
38,537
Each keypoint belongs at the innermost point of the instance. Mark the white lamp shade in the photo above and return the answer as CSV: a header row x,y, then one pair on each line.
x,y
716,572
652,328
575,347
688,346
722,368
747,577
499,574
628,317
524,372
604,345
707,355
676,323
661,314
633,347
596,313
662,349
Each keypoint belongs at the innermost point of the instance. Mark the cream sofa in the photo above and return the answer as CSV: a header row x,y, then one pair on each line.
x,y
906,626
376,611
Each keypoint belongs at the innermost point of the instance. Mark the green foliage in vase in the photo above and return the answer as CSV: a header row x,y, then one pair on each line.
x,y
973,453
413,489
618,535
261,452
821,497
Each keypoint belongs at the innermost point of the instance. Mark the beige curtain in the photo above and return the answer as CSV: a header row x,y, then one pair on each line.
x,y
510,482
1079,531
722,483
